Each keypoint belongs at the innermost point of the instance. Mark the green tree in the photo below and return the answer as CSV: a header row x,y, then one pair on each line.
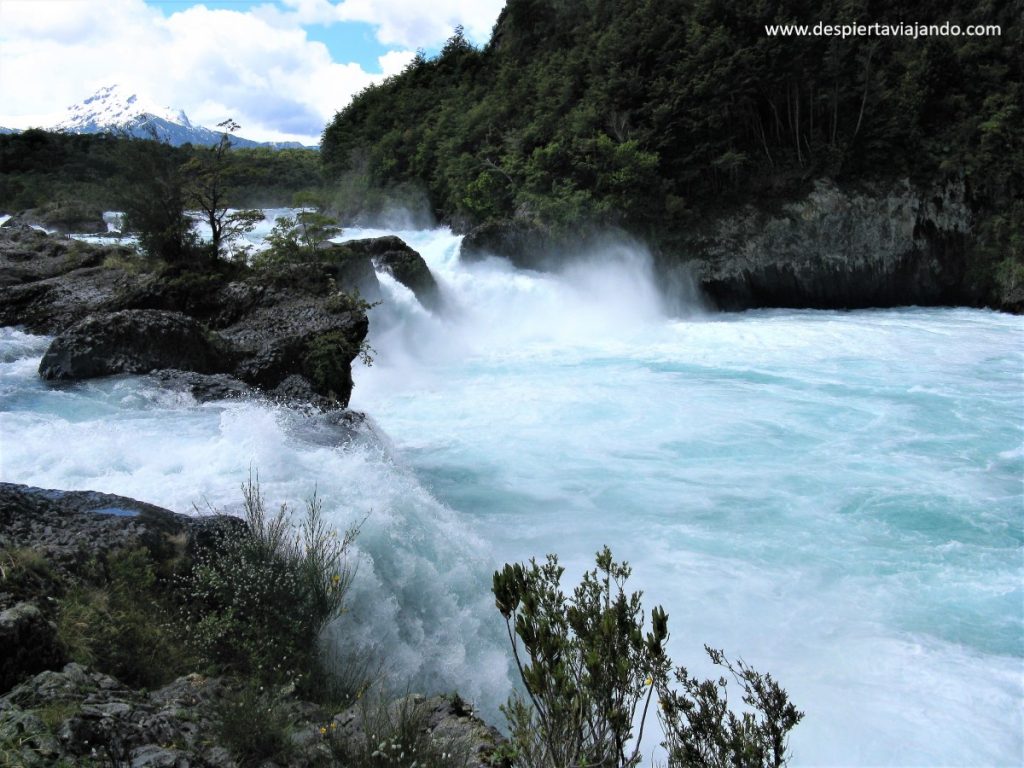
x,y
208,185
584,662
297,238
153,197
590,673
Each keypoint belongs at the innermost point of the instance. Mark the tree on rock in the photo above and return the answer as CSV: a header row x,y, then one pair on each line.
x,y
153,198
208,181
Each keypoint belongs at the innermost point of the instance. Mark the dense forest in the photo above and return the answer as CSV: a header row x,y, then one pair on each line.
x,y
97,170
651,114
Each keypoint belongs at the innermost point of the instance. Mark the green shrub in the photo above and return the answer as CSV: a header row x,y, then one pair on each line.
x,y
700,729
256,604
590,673
254,727
118,620
395,733
328,361
296,238
25,573
588,666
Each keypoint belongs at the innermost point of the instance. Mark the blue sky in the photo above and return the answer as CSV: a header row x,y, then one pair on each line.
x,y
281,68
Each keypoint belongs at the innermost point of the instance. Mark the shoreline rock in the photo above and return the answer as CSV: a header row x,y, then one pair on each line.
x,y
393,255
115,315
841,249
133,341
834,248
53,709
63,217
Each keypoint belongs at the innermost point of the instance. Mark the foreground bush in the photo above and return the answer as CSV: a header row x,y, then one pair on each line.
x,y
118,619
590,673
256,604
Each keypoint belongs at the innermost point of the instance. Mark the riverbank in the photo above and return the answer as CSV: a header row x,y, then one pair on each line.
x,y
104,663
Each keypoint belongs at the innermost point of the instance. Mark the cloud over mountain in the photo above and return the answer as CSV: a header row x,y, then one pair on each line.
x,y
257,66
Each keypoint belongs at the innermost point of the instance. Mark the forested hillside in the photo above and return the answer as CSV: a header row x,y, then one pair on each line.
x,y
649,114
93,170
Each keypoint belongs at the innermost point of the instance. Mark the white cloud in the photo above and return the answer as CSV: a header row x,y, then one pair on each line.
x,y
393,62
258,67
419,24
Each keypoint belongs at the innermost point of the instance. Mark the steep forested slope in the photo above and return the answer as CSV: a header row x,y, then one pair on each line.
x,y
653,114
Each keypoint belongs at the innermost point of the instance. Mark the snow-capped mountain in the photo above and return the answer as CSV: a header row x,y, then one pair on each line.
x,y
114,109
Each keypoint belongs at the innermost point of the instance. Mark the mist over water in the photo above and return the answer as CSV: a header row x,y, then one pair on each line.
x,y
834,496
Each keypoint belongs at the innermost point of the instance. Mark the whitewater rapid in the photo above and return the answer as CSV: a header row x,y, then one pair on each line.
x,y
834,496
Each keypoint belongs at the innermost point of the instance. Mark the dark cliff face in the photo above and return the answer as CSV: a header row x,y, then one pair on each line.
x,y
879,247
876,246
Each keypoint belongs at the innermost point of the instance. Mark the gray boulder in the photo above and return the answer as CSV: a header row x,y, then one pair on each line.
x,y
70,527
133,341
203,386
312,337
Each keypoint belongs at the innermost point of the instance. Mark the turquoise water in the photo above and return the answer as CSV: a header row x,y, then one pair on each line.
x,y
837,497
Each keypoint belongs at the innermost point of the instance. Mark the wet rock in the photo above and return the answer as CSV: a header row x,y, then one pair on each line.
x,y
392,255
351,270
308,336
203,386
842,249
527,244
293,320
133,341
297,390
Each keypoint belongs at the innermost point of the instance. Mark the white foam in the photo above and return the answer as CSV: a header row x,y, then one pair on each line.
x,y
835,496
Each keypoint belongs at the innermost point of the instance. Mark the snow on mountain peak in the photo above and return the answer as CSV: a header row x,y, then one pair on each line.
x,y
115,107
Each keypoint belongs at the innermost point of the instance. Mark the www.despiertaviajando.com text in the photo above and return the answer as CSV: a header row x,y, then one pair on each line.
x,y
902,29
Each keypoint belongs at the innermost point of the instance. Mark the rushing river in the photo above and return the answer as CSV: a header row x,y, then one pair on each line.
x,y
834,496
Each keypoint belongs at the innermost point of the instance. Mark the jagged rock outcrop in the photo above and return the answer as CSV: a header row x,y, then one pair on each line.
x,y
49,282
839,248
261,328
48,534
877,245
27,255
134,341
527,244
392,255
